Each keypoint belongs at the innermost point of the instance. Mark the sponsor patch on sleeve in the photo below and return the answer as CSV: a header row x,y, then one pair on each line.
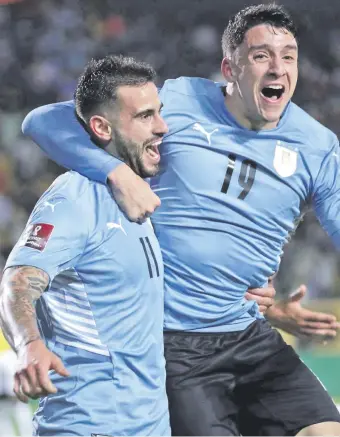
x,y
37,235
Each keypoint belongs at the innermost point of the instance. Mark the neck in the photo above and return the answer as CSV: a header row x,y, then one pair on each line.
x,y
234,105
111,148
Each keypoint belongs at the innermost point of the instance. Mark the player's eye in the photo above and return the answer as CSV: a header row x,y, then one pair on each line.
x,y
260,56
146,115
289,58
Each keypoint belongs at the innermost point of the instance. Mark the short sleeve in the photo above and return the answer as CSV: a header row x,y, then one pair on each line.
x,y
54,237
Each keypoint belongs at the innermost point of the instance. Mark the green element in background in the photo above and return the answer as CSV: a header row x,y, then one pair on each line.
x,y
325,367
15,425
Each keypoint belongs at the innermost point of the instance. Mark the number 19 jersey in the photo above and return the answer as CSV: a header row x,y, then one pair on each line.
x,y
230,199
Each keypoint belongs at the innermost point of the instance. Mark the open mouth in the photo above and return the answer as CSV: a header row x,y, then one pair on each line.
x,y
153,152
273,93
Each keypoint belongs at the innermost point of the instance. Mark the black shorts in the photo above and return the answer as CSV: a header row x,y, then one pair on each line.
x,y
249,383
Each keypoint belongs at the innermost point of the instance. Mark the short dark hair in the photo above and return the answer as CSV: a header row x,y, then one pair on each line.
x,y
97,86
251,16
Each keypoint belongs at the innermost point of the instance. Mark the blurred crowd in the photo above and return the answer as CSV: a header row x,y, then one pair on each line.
x,y
44,45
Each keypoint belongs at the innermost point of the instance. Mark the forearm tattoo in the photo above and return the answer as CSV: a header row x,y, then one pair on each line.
x,y
20,288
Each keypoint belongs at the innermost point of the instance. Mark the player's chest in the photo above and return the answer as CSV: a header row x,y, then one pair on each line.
x,y
266,171
126,251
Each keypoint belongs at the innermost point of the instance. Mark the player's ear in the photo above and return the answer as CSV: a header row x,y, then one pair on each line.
x,y
227,69
101,127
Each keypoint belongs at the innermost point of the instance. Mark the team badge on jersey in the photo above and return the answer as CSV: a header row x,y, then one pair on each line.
x,y
36,236
285,160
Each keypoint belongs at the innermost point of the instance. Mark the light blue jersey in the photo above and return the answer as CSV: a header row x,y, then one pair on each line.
x,y
230,198
102,313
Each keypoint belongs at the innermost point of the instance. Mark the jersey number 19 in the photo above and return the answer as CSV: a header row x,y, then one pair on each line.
x,y
246,177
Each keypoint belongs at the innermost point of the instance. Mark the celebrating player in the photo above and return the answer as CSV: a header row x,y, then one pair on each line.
x,y
96,279
238,165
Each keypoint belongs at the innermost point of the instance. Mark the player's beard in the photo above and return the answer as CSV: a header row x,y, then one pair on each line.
x,y
132,154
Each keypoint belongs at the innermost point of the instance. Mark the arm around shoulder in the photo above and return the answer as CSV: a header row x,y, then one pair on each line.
x,y
134,196
57,131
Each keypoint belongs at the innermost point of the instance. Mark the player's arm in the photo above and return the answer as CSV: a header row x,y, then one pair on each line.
x,y
20,288
264,296
48,246
290,316
326,194
56,130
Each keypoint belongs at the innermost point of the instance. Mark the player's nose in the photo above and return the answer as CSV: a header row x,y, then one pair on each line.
x,y
277,67
161,128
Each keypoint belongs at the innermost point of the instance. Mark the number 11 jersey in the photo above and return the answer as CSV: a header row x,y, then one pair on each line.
x,y
230,199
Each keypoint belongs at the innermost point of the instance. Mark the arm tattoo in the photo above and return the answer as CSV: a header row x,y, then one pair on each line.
x,y
20,288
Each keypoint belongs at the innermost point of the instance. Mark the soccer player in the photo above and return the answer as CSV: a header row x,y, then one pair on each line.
x,y
238,166
96,278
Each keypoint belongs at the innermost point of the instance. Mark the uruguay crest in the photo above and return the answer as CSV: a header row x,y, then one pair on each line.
x,y
285,160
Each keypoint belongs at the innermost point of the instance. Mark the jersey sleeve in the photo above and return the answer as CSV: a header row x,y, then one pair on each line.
x,y
54,237
326,196
58,133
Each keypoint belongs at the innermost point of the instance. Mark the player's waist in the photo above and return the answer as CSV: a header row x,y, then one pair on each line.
x,y
207,288
150,378
237,325
79,353
136,399
181,316
152,352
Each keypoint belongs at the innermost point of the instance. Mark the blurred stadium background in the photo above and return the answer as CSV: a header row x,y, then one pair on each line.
x,y
44,45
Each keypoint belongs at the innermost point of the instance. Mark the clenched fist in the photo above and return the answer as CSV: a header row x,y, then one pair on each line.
x,y
133,195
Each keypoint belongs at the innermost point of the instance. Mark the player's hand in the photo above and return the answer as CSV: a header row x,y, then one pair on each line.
x,y
31,380
132,193
290,316
263,296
